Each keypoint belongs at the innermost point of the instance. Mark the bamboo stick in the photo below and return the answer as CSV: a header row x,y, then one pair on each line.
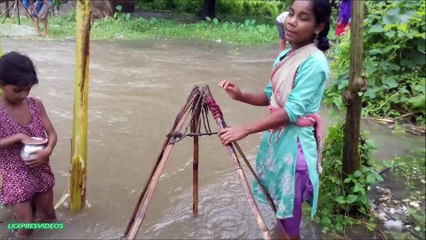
x,y
140,212
78,164
268,197
196,129
238,169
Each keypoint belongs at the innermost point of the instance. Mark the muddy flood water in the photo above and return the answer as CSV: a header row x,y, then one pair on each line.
x,y
136,90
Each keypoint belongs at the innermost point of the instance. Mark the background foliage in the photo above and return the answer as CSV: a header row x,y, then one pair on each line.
x,y
237,10
394,62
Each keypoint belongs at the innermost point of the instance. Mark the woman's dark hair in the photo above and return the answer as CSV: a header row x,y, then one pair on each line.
x,y
17,69
322,12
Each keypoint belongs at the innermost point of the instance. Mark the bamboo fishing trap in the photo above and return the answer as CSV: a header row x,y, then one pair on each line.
x,y
197,106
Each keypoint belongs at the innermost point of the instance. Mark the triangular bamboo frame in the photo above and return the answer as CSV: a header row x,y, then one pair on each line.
x,y
200,98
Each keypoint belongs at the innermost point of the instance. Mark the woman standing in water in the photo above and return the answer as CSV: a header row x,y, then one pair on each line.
x,y
288,159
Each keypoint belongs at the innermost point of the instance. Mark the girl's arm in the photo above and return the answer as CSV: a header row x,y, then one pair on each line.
x,y
48,127
43,155
7,141
273,120
256,99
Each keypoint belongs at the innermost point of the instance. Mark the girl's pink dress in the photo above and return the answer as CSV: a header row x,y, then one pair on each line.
x,y
19,182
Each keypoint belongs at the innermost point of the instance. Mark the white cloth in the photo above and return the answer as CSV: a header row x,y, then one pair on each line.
x,y
282,17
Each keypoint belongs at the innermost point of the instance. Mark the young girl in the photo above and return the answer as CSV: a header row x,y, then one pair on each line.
x,y
280,26
23,117
289,152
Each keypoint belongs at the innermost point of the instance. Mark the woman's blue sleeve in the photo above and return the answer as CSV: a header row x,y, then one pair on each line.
x,y
308,87
268,91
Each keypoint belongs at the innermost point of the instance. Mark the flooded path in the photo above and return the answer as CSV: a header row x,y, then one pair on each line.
x,y
136,90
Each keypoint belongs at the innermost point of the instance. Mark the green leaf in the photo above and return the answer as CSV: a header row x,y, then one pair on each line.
x,y
340,200
403,27
325,220
357,173
390,33
376,29
358,188
376,51
371,92
215,21
390,81
417,102
370,179
351,198
247,22
391,18
338,227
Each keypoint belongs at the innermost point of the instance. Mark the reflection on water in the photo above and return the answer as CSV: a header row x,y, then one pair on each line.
x,y
137,88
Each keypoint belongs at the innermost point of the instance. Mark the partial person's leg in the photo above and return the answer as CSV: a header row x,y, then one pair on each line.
x,y
292,225
24,214
44,205
45,26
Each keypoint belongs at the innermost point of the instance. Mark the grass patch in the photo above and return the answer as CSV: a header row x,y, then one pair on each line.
x,y
124,26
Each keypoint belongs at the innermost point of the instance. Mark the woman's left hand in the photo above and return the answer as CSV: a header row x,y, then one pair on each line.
x,y
228,135
38,158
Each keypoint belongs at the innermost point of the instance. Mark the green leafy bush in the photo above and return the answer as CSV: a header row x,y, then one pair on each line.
x,y
394,61
343,201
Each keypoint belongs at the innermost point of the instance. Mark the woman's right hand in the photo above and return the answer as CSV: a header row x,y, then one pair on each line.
x,y
231,89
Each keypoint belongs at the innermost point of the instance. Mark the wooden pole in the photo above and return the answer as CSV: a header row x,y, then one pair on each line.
x,y
195,128
148,191
238,169
352,99
78,162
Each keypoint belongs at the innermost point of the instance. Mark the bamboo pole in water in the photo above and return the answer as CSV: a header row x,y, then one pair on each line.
x,y
231,152
149,188
78,162
196,129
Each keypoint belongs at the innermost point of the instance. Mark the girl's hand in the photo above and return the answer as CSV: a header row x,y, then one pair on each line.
x,y
228,135
23,138
231,89
38,157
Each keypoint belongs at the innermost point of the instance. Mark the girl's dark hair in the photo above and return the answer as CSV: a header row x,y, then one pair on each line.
x,y
322,12
17,69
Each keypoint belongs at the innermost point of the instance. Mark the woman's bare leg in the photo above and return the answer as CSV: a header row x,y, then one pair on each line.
x,y
44,206
24,214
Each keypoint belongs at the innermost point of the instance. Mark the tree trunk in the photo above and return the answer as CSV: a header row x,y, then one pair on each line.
x,y
78,164
210,8
351,153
